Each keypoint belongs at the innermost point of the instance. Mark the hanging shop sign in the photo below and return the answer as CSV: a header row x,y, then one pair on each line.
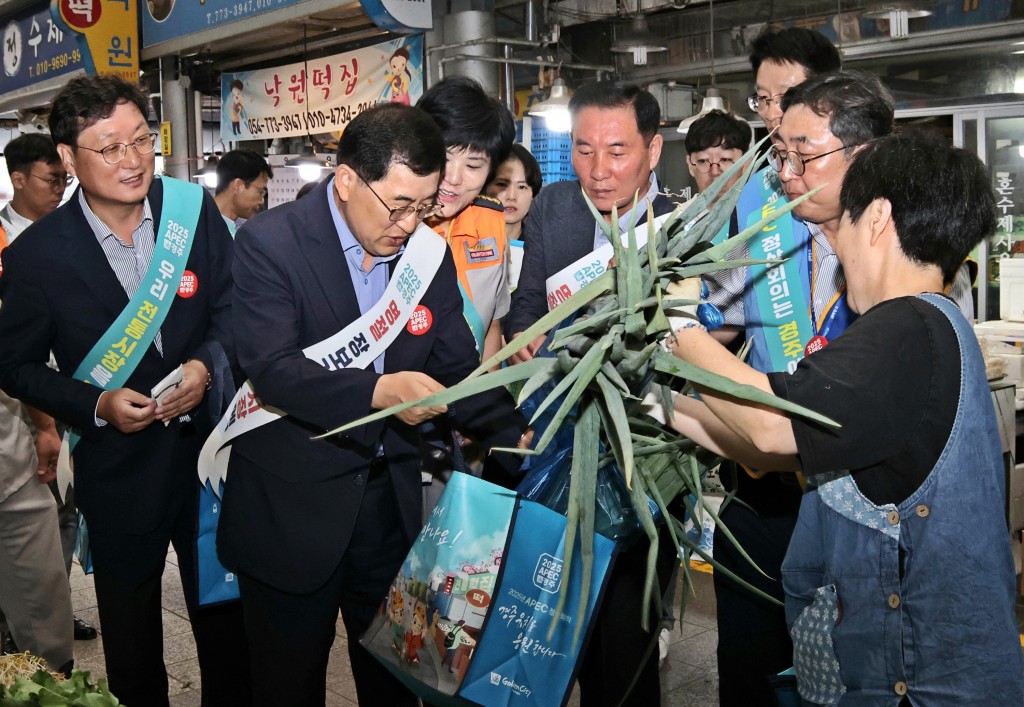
x,y
107,34
321,95
41,43
36,47
163,20
399,15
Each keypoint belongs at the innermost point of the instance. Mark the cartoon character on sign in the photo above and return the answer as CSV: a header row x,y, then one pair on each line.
x,y
399,77
396,611
414,637
236,106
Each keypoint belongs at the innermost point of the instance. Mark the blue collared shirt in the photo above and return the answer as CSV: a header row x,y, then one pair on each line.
x,y
368,284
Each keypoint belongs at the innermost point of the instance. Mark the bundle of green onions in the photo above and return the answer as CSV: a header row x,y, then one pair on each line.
x,y
610,356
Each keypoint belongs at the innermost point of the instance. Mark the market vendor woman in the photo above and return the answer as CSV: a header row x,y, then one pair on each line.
x,y
899,580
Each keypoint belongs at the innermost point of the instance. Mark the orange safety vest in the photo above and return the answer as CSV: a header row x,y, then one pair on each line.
x,y
3,244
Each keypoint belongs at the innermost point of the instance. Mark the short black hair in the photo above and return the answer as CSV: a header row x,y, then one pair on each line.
x,y
469,118
305,189
811,50
391,134
246,165
858,105
86,100
236,84
942,199
618,94
718,129
534,178
24,151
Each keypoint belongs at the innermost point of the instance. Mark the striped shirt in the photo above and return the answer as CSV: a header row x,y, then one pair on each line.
x,y
129,262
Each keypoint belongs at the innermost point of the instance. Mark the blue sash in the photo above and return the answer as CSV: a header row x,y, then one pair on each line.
x,y
476,324
723,233
117,353
776,297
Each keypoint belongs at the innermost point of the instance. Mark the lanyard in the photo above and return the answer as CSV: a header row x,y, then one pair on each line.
x,y
823,325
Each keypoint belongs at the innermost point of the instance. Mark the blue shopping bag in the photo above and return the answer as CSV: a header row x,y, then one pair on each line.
x,y
466,620
214,583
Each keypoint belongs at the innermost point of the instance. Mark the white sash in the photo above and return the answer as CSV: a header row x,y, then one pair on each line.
x,y
355,346
573,278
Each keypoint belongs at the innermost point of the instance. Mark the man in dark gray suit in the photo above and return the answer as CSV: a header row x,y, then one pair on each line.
x,y
615,149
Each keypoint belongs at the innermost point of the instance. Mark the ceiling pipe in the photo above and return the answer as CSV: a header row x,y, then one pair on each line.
x,y
599,68
507,41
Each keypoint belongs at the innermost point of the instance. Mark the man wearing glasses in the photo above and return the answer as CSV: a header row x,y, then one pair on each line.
x,y
713,144
104,278
34,594
344,303
821,123
242,178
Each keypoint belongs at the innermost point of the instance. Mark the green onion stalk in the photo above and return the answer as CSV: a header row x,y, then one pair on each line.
x,y
610,357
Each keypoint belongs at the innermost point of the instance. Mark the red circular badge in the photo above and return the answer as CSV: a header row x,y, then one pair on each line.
x,y
80,14
815,344
420,321
189,284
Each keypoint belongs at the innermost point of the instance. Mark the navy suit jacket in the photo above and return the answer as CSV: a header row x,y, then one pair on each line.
x,y
558,231
290,502
59,293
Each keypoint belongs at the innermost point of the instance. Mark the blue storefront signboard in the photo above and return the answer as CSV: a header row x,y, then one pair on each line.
x,y
36,47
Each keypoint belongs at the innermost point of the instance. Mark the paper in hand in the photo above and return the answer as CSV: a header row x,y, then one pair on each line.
x,y
162,389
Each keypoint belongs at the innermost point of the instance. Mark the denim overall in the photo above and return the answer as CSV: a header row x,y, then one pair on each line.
x,y
913,600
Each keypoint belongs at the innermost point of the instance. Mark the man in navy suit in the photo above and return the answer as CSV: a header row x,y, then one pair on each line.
x,y
616,147
66,279
314,526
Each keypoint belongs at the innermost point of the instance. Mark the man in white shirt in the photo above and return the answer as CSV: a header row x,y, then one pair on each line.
x,y
35,593
242,178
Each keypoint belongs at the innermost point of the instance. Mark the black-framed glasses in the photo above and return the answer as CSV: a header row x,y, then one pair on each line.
x,y
797,162
758,103
114,153
704,166
55,183
397,213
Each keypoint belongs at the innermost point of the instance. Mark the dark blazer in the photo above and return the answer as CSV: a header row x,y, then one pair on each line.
x,y
59,293
558,231
290,503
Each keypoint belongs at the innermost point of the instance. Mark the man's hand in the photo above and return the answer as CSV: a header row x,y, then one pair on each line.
x,y
405,386
526,439
187,394
47,445
126,409
527,352
683,314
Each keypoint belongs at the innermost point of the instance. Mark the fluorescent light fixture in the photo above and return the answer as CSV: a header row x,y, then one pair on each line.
x,y
638,40
555,108
311,165
712,101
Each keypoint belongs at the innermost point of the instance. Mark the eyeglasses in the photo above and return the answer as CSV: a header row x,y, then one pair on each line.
x,y
114,153
759,103
56,183
704,166
398,213
797,162
261,190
